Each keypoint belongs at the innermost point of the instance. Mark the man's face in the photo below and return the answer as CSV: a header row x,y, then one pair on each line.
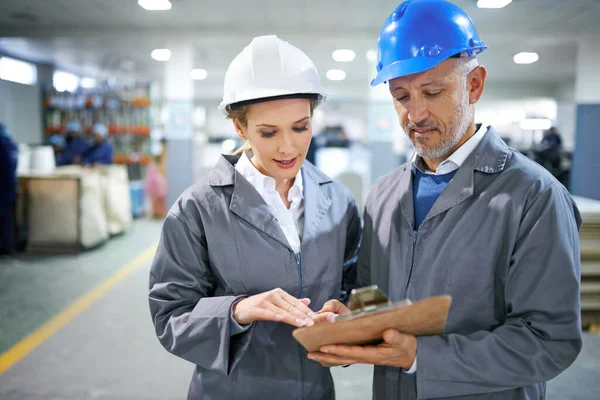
x,y
434,108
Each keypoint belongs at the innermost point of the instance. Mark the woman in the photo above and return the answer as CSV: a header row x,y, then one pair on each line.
x,y
243,255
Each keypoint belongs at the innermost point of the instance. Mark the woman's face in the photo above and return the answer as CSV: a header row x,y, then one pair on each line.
x,y
279,132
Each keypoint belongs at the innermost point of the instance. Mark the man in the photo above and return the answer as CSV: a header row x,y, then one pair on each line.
x,y
468,217
548,154
58,142
101,152
74,147
9,155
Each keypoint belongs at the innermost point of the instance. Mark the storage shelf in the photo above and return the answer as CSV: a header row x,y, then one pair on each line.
x,y
112,129
142,159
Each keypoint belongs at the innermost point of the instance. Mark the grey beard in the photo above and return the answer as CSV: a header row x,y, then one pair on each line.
x,y
462,119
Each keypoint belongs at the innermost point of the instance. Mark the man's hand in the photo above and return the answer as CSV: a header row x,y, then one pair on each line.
x,y
397,350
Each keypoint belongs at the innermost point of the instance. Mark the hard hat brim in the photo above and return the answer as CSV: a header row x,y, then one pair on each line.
x,y
309,96
321,97
416,65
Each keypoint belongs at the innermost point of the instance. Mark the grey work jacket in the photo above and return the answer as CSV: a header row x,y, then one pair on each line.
x,y
220,242
502,240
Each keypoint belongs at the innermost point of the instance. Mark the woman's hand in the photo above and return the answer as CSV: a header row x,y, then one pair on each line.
x,y
330,310
274,305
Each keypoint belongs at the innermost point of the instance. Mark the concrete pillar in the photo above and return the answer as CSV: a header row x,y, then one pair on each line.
x,y
178,103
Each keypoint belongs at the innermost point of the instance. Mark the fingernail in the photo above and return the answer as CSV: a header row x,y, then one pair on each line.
x,y
278,316
331,318
310,357
308,301
324,351
310,322
300,321
312,314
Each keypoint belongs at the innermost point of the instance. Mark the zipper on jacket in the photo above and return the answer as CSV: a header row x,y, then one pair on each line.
x,y
412,263
299,264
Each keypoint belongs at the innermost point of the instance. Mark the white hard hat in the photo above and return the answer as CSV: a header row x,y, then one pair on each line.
x,y
270,68
100,129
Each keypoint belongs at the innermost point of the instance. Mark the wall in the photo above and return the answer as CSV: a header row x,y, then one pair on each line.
x,y
21,111
587,85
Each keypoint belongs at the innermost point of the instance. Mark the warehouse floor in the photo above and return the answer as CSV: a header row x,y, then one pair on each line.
x,y
96,341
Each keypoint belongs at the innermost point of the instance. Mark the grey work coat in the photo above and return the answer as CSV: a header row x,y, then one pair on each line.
x,y
220,242
502,240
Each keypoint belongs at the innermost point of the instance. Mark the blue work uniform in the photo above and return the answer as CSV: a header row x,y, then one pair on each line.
x,y
100,153
9,155
74,147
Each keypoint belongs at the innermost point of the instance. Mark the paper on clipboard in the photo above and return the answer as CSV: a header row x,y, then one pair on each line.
x,y
421,318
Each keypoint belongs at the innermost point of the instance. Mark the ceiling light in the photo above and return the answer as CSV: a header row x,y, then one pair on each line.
x,y
198,74
65,81
18,71
343,55
372,55
155,5
535,124
526,58
161,54
336,75
493,3
88,83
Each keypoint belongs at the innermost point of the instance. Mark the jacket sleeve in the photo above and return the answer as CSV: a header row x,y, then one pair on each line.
x,y
353,238
363,267
190,321
107,155
541,334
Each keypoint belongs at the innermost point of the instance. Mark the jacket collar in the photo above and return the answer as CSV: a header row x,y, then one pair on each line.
x,y
489,157
492,153
224,173
249,205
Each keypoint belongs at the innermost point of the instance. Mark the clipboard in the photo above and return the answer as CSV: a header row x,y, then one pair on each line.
x,y
371,315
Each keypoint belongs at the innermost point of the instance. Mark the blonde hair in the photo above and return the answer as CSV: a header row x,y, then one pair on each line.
x,y
240,113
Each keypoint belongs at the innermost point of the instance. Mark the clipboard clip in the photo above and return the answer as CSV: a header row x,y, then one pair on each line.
x,y
368,300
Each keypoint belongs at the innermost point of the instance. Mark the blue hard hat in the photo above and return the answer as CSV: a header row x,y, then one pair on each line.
x,y
100,129
73,126
57,140
420,34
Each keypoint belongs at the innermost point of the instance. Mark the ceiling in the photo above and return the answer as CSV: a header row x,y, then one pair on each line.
x,y
115,37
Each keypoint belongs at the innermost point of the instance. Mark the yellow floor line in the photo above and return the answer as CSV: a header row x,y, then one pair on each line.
x,y
44,332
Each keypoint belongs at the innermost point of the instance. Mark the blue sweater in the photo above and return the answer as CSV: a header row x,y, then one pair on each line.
x,y
426,189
